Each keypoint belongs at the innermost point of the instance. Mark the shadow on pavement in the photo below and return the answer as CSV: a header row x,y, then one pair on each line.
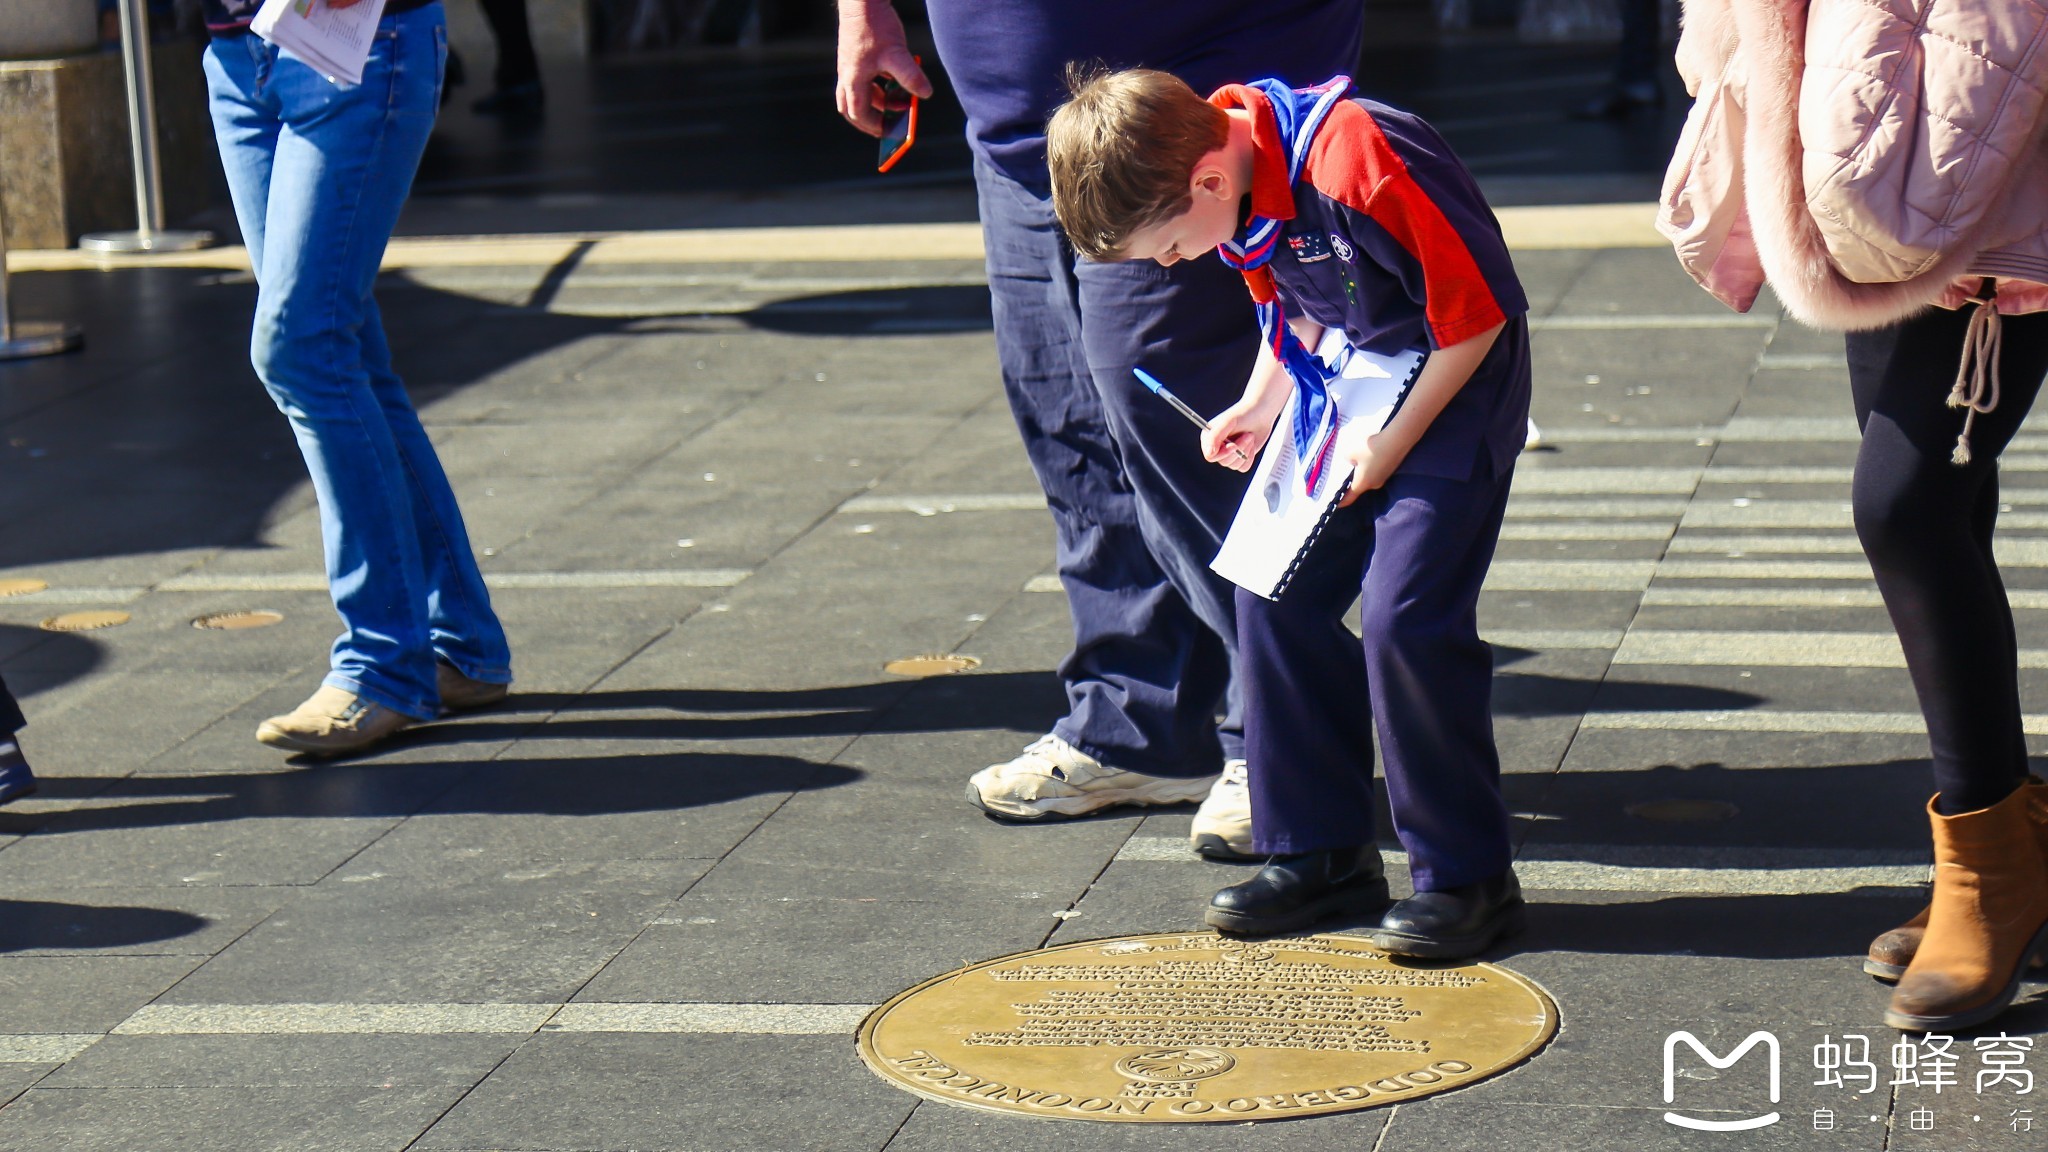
x,y
37,661
38,924
593,786
881,312
158,438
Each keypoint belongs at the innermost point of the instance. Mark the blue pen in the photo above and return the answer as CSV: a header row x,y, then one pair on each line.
x,y
1164,393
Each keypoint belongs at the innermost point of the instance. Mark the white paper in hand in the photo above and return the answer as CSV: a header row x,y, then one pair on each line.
x,y
1278,521
334,42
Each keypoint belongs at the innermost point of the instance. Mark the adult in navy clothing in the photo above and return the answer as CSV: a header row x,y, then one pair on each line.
x,y
1137,512
16,780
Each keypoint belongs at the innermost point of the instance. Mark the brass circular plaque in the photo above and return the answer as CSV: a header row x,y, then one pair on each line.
x,y
238,621
931,665
1199,1027
85,621
21,587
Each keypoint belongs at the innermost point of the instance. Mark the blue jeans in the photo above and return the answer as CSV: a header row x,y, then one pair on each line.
x,y
1137,513
319,172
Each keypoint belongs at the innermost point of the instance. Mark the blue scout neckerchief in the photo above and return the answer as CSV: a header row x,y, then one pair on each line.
x,y
1298,113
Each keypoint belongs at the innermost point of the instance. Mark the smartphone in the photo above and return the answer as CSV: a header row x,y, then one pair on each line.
x,y
899,122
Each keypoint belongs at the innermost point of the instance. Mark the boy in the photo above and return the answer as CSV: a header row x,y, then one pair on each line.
x,y
1344,213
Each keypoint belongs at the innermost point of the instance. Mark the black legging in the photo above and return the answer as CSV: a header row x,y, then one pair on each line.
x,y
1926,525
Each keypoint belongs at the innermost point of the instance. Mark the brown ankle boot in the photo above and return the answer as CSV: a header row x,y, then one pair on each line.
x,y
1891,952
1988,916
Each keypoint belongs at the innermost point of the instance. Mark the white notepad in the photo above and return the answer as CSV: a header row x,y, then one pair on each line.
x,y
1278,522
334,41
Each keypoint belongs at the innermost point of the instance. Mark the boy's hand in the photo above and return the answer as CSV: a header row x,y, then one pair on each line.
x,y
871,44
1238,432
1372,456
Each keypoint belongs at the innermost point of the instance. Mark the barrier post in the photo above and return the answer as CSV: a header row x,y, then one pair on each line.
x,y
150,234
21,341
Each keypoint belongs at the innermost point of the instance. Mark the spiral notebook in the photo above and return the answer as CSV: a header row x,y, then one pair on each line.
x,y
1278,522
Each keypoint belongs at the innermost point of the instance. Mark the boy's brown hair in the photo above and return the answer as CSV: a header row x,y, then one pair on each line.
x,y
1122,151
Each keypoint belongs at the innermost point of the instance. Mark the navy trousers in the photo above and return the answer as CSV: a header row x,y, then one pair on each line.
x,y
1138,514
11,720
1419,548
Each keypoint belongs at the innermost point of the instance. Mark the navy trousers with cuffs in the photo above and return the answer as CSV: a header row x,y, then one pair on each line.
x,y
1415,553
11,719
1137,512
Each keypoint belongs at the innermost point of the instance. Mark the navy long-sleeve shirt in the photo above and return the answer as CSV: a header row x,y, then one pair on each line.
x,y
1006,58
1387,236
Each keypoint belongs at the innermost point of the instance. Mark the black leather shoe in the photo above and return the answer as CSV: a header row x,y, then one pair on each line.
x,y
1454,923
1293,892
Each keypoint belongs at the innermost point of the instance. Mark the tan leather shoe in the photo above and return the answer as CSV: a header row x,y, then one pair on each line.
x,y
459,693
1892,951
1989,915
332,722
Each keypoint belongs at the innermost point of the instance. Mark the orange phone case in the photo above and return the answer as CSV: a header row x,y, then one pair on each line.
x,y
909,138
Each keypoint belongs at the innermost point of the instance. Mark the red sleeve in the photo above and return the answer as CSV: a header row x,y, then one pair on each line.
x,y
1353,163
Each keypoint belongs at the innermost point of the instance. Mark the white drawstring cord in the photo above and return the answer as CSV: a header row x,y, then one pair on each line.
x,y
1976,386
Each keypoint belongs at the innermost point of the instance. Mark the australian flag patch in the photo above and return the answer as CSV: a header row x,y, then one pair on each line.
x,y
1308,247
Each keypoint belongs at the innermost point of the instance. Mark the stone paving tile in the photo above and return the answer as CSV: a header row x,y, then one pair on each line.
x,y
636,527
770,634
791,950
159,921
935,1127
533,933
1668,687
1638,281
601,801
281,827
687,1093
204,1119
912,841
114,725
1602,611
1450,1124
559,645
553,447
285,1061
82,994
1773,806
1695,377
17,1078
974,456
1618,1008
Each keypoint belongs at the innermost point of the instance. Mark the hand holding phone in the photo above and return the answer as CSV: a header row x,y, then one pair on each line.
x,y
899,121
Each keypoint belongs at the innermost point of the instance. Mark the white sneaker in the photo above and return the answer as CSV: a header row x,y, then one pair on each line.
x,y
1053,778
1535,437
1223,825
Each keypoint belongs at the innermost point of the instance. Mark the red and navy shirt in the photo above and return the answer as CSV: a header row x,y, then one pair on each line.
x,y
1387,236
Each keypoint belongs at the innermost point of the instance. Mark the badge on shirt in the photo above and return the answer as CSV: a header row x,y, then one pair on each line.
x,y
1343,247
1308,249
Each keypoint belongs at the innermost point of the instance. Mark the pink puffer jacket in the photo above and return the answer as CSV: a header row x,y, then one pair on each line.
x,y
1866,157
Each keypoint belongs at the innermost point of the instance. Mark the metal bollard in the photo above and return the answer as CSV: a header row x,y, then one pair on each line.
x,y
21,341
150,234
